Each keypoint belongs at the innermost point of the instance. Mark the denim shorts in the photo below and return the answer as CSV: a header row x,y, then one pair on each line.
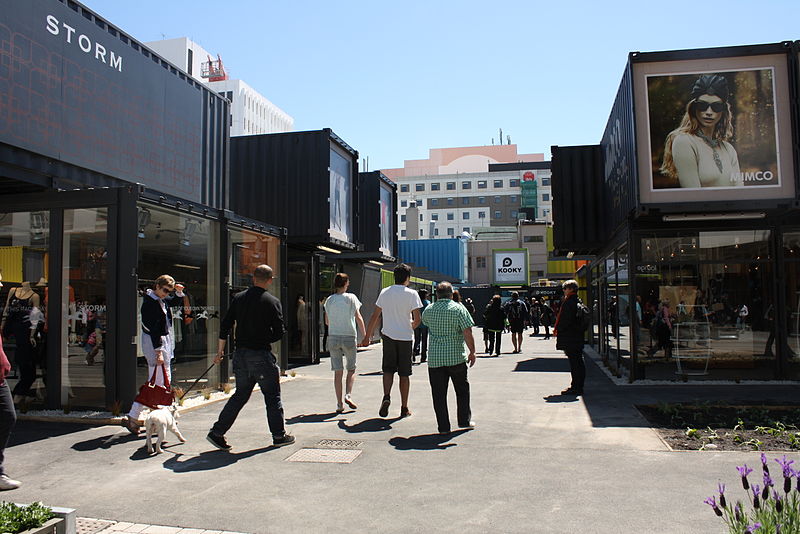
x,y
342,348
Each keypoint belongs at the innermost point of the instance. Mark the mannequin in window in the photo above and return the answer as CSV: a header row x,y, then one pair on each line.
x,y
21,317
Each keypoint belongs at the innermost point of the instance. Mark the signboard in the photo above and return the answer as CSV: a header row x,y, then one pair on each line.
x,y
510,267
78,91
530,198
340,196
714,129
387,220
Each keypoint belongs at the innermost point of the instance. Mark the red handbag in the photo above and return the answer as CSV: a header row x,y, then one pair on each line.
x,y
154,395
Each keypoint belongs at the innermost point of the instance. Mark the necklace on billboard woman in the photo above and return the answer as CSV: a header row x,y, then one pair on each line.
x,y
713,143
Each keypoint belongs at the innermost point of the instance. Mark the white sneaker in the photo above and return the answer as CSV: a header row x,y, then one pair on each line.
x,y
8,483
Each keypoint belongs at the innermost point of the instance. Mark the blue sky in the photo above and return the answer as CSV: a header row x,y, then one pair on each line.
x,y
394,79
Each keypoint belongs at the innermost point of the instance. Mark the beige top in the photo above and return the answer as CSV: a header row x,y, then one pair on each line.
x,y
694,160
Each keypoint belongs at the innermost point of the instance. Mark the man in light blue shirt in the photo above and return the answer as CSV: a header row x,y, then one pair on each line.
x,y
342,313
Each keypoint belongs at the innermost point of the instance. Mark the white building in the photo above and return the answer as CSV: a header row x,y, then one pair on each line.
x,y
460,189
251,112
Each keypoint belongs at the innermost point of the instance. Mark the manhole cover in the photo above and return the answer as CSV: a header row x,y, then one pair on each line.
x,y
340,443
328,456
84,525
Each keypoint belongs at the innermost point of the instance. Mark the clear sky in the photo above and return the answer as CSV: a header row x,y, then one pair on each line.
x,y
394,79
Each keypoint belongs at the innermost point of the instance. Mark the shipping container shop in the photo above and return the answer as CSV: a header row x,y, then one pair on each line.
x,y
113,170
690,206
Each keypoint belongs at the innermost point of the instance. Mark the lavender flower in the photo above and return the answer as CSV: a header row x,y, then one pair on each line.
x,y
767,485
778,501
737,511
712,502
744,471
784,462
764,464
756,490
721,488
777,528
752,528
787,479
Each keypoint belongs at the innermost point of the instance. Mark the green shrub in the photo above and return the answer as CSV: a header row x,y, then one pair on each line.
x,y
14,518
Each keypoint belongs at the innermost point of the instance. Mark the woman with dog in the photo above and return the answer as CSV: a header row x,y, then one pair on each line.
x,y
157,338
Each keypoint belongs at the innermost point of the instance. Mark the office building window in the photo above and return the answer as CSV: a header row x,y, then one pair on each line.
x,y
404,188
513,199
450,201
465,229
514,182
545,181
498,214
533,239
466,185
498,183
481,214
402,233
433,202
404,203
435,231
421,234
545,197
420,217
451,232
482,184
465,215
480,262
450,216
435,186
514,214
451,186
497,200
402,218
434,216
465,201
420,203
419,187
545,213
481,200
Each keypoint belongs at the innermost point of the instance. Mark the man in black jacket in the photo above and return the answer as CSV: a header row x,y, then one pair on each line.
x,y
259,322
569,337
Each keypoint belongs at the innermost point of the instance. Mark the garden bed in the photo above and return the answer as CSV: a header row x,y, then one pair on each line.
x,y
724,427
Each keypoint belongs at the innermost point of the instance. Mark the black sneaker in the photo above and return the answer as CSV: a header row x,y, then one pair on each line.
x,y
287,439
384,411
218,441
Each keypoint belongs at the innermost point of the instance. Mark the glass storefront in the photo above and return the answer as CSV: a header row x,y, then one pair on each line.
x,y
715,289
791,253
185,247
24,252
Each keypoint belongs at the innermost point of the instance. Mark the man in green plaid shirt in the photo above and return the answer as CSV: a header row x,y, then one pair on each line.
x,y
449,329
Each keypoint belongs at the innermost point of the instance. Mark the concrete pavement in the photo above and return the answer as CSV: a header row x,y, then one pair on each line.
x,y
537,461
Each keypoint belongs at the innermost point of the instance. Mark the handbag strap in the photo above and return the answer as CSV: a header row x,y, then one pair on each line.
x,y
152,380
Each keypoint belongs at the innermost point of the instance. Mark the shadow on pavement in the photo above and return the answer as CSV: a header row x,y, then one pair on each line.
x,y
105,442
142,454
209,460
560,398
311,418
369,425
425,442
375,373
30,431
543,365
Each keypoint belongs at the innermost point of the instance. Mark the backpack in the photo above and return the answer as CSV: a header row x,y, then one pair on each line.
x,y
584,316
514,311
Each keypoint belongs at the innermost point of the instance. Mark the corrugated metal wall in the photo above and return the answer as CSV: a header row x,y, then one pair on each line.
x,y
443,255
578,197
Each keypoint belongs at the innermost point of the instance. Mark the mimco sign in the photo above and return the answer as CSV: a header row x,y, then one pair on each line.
x,y
510,267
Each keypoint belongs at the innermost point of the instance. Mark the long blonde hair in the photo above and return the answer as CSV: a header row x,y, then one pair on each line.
x,y
723,131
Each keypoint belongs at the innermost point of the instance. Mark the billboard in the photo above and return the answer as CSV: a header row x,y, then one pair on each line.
x,y
510,267
341,187
386,220
75,89
715,129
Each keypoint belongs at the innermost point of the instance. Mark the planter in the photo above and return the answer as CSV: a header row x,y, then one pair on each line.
x,y
51,527
63,522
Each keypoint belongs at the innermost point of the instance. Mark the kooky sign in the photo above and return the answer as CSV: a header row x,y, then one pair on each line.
x,y
510,267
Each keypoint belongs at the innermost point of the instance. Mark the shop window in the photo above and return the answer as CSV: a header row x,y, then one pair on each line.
x,y
435,186
451,186
482,184
185,247
404,188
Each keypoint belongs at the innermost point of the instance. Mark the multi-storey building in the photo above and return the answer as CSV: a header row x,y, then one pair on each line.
x,y
251,112
457,190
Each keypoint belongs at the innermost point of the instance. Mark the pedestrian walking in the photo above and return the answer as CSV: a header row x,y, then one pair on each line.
x,y
569,337
399,305
517,313
546,319
452,348
259,322
421,332
158,338
342,314
494,318
8,417
535,316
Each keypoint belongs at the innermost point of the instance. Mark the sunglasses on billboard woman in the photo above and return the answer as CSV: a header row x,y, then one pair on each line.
x,y
716,107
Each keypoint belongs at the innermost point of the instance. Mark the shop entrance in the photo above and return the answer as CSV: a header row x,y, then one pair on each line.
x,y
298,316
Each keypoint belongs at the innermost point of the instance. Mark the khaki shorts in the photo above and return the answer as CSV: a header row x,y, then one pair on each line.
x,y
342,349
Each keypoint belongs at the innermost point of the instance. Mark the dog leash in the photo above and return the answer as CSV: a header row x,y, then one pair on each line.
x,y
200,378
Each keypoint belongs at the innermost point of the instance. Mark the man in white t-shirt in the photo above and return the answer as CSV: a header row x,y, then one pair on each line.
x,y
399,305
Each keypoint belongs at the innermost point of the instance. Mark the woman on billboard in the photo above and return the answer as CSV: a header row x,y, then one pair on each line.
x,y
697,152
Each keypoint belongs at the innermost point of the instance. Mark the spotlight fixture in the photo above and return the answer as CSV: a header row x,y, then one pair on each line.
x,y
144,217
189,230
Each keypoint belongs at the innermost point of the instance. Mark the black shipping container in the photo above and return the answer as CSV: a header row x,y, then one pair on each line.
x,y
370,212
87,94
285,180
578,199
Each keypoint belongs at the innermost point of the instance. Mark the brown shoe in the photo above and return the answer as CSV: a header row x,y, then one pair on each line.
x,y
405,412
131,425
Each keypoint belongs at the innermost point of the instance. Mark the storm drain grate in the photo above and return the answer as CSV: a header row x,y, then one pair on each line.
x,y
85,525
340,443
328,456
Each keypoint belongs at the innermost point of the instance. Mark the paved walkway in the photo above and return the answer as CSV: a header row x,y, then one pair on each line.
x,y
537,461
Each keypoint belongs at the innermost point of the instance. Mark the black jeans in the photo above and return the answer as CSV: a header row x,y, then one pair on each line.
x,y
253,367
577,367
8,417
24,359
440,378
494,342
421,342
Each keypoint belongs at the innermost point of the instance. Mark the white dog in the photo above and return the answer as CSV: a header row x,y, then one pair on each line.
x,y
157,423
